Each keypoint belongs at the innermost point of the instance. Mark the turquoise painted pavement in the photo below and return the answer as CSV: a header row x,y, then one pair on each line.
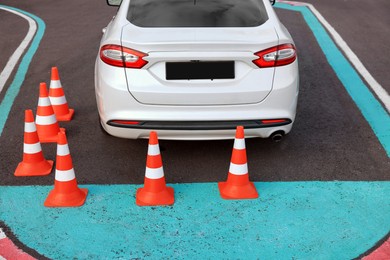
x,y
295,220
291,220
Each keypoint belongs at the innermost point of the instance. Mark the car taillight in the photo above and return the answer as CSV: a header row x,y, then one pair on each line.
x,y
120,56
274,121
276,56
125,122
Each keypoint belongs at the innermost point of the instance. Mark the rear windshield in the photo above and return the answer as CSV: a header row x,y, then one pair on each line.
x,y
197,13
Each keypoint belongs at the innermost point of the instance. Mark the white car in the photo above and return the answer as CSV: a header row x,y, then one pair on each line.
x,y
196,69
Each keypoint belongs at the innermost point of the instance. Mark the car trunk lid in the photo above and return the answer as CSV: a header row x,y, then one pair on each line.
x,y
230,51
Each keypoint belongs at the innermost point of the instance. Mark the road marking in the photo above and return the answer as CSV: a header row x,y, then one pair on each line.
x,y
299,220
8,250
14,88
372,110
225,228
352,57
2,234
9,67
375,86
382,252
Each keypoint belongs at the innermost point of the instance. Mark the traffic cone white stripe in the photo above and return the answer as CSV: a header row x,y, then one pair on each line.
x,y
32,148
55,84
65,175
154,173
45,120
55,101
44,102
153,149
62,149
239,144
29,127
238,169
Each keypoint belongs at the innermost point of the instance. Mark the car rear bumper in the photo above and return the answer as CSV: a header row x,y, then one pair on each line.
x,y
193,122
137,133
198,125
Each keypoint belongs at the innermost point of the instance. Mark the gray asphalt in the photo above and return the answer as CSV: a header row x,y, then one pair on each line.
x,y
13,29
330,139
365,26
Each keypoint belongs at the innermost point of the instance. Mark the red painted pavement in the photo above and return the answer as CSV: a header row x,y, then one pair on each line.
x,y
8,250
381,253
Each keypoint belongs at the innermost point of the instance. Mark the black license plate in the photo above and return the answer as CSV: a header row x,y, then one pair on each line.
x,y
199,70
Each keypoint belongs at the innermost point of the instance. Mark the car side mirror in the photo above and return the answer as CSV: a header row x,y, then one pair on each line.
x,y
271,1
114,2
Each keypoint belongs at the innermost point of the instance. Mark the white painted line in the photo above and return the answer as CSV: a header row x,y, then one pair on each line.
x,y
9,67
2,234
375,86
381,93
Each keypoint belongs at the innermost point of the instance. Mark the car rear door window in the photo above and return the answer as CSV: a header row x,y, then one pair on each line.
x,y
197,13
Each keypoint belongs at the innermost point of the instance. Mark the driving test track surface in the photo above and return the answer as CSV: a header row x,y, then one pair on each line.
x,y
13,90
291,219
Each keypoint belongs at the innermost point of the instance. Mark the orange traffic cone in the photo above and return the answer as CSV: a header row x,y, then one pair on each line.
x,y
33,164
155,192
238,185
46,122
57,98
66,193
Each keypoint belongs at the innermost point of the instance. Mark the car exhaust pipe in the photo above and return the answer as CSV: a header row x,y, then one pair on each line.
x,y
277,136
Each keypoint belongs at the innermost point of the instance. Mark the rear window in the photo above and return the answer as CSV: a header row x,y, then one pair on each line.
x,y
197,13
